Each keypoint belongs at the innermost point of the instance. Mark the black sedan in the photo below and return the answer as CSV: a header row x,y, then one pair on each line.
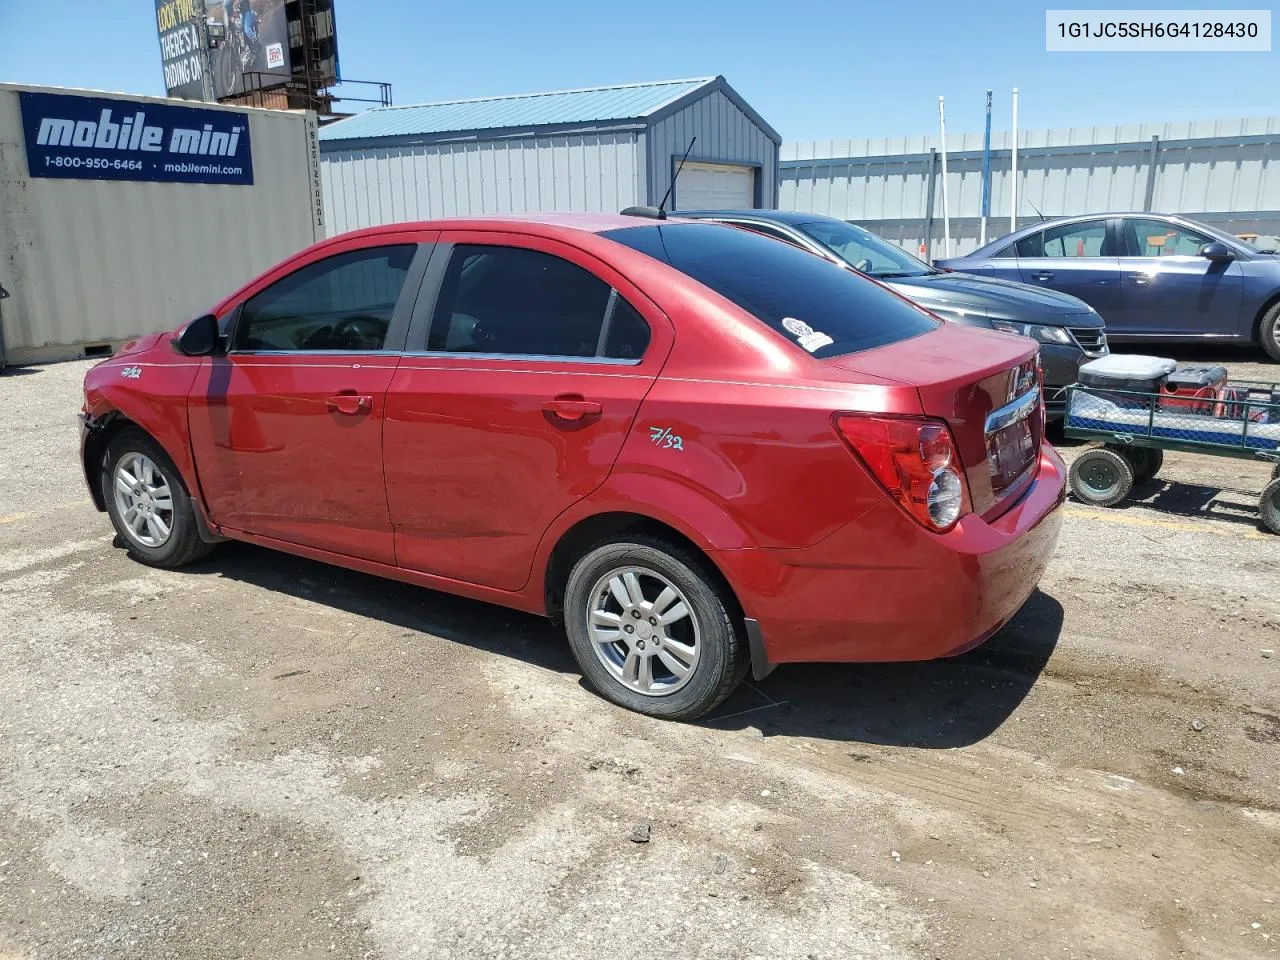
x,y
1068,330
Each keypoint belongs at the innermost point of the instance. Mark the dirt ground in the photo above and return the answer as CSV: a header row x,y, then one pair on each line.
x,y
265,757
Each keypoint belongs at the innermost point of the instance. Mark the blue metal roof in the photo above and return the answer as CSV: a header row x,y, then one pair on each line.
x,y
623,102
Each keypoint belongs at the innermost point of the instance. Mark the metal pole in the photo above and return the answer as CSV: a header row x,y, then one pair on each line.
x,y
986,177
928,205
1013,167
1152,164
946,212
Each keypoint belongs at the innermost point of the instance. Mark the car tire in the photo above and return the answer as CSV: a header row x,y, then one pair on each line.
x,y
154,516
618,614
1101,477
1269,332
1269,506
1144,461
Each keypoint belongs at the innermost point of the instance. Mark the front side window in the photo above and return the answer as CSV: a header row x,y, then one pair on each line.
x,y
824,310
864,251
512,301
1159,238
1068,240
341,303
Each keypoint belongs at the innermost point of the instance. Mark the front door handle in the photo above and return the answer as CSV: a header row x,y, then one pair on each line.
x,y
350,404
571,407
1042,275
1142,279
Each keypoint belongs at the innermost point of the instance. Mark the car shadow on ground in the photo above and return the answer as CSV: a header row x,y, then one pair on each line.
x,y
484,626
1195,500
938,704
19,371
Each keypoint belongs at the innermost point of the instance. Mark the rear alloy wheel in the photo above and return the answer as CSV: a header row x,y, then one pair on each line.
x,y
1101,477
1269,506
651,629
1145,462
148,504
1269,332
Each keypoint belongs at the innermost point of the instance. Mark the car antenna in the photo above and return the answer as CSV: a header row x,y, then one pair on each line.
x,y
662,207
1033,207
660,211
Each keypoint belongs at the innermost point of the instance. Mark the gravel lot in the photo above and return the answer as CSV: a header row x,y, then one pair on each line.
x,y
265,757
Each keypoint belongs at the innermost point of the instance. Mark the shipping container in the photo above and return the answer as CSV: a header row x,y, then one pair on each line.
x,y
124,215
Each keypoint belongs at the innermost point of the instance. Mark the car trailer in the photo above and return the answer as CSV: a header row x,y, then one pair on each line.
x,y
1225,419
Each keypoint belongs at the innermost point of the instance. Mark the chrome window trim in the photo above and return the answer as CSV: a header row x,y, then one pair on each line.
x,y
533,358
1012,412
314,353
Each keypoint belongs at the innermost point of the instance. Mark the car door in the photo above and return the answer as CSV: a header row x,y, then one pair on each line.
x,y
1168,289
286,426
531,360
1076,258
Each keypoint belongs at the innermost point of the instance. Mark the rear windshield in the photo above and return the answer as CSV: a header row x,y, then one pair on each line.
x,y
823,308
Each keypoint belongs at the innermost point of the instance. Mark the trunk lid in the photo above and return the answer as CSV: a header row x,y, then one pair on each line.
x,y
985,385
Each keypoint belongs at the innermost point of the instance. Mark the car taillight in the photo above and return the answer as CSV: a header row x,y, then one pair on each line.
x,y
915,460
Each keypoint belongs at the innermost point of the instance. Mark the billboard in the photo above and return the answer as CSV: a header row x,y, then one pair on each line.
x,y
256,42
70,137
181,49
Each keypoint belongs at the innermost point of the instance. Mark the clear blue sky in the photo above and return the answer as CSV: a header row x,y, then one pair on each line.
x,y
814,70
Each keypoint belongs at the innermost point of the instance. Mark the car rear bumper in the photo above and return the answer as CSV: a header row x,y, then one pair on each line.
x,y
884,589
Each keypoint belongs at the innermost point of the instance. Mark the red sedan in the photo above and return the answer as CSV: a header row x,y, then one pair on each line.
x,y
702,450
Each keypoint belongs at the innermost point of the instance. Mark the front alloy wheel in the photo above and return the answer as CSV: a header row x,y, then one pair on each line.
x,y
144,500
148,505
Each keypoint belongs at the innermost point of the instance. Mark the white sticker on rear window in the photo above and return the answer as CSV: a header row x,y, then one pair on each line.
x,y
815,341
805,335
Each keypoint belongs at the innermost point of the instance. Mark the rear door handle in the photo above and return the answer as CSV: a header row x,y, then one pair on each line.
x,y
1042,275
350,404
571,407
1142,279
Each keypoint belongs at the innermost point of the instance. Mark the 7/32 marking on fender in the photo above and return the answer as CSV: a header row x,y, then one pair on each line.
x,y
664,438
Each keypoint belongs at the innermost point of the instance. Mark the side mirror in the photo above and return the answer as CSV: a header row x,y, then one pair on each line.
x,y
1217,251
199,338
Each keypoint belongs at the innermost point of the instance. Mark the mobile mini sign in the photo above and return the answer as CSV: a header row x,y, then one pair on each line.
x,y
93,138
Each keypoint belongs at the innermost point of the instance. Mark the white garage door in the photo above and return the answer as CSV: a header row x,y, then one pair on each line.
x,y
716,186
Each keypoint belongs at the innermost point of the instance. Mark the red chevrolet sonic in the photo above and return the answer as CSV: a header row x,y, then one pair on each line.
x,y
702,450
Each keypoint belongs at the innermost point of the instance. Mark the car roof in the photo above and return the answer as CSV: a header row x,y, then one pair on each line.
x,y
792,217
584,222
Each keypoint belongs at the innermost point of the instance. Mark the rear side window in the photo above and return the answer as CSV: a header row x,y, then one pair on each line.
x,y
825,309
511,301
1068,240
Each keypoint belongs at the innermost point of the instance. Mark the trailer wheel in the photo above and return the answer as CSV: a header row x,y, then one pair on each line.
x,y
1101,477
1145,462
1269,506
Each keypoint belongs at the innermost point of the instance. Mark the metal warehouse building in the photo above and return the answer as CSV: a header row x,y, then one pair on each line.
x,y
598,149
1222,172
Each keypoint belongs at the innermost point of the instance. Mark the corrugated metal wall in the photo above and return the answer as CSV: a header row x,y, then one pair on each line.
x,y
725,135
1216,171
577,172
100,261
